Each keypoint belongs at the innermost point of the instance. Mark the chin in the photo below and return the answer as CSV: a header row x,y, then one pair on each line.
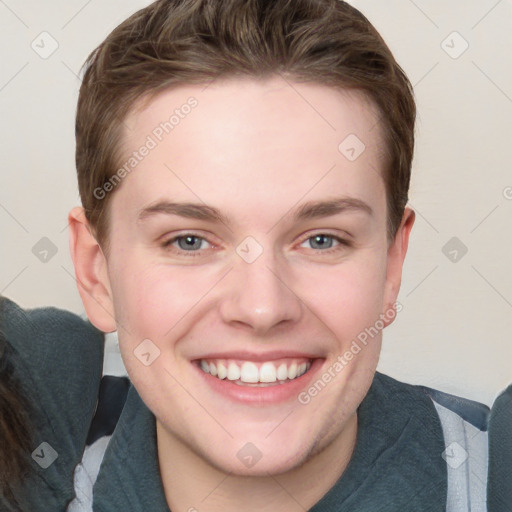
x,y
246,458
267,465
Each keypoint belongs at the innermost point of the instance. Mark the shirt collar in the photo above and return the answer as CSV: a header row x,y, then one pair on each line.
x,y
129,478
397,462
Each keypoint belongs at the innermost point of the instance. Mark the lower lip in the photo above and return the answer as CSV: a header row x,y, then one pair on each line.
x,y
262,395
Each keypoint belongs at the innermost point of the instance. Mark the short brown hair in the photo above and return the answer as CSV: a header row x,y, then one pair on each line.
x,y
173,43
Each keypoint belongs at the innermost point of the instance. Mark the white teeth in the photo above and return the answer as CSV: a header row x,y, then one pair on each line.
x,y
233,372
268,372
249,372
222,371
282,372
292,371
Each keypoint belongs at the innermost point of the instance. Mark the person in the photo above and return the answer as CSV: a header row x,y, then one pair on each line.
x,y
50,378
15,425
500,453
244,168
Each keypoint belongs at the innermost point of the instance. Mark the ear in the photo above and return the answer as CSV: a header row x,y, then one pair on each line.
x,y
396,255
91,272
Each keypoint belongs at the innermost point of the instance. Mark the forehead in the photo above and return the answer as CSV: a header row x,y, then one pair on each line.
x,y
254,140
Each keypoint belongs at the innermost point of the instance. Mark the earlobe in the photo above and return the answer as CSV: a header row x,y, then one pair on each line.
x,y
91,272
396,256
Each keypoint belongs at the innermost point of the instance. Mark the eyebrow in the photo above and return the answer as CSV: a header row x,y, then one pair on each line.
x,y
307,211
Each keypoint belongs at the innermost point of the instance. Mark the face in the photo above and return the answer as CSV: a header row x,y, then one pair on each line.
x,y
247,253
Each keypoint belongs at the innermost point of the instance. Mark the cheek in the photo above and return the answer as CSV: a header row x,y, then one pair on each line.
x,y
147,301
346,298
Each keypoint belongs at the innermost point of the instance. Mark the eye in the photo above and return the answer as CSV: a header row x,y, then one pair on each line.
x,y
187,243
321,240
190,244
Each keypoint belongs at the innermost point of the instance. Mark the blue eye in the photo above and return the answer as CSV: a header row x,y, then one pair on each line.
x,y
186,243
190,244
320,241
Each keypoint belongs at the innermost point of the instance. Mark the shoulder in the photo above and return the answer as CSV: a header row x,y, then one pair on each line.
x,y
500,453
61,330
51,345
56,357
464,424
472,412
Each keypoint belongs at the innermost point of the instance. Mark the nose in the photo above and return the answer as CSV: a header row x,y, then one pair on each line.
x,y
258,295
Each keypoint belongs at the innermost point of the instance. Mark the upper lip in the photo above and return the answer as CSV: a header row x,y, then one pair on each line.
x,y
258,357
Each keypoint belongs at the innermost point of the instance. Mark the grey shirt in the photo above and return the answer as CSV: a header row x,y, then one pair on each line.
x,y
57,358
396,465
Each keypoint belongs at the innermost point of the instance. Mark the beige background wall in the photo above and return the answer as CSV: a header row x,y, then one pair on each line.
x,y
454,332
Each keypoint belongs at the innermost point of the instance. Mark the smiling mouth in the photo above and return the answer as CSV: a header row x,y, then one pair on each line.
x,y
256,374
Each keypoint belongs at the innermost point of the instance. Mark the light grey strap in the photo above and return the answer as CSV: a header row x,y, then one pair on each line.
x,y
466,455
85,475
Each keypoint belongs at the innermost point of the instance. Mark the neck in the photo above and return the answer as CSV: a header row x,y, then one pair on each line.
x,y
193,484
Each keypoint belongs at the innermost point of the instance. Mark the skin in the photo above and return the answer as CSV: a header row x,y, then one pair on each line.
x,y
255,150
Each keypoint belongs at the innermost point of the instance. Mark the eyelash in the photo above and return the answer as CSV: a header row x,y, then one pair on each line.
x,y
168,244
